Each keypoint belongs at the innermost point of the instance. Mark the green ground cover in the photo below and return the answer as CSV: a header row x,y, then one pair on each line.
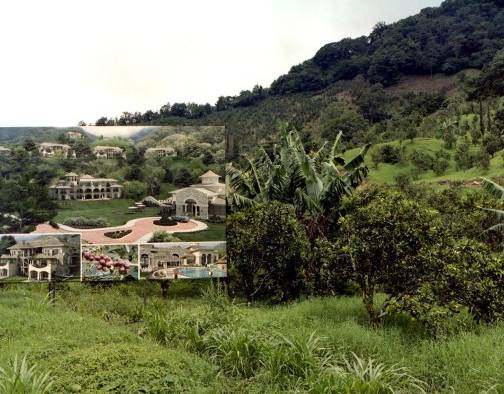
x,y
215,232
123,346
114,211
385,173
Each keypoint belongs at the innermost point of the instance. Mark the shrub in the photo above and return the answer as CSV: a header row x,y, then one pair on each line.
x,y
421,160
390,154
216,219
118,234
440,165
463,157
183,178
53,224
276,273
134,190
84,222
19,377
482,159
163,236
403,181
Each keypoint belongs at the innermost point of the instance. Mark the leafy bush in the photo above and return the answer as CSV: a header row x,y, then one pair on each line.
x,y
134,190
84,222
390,154
276,273
163,236
464,157
421,160
118,234
403,181
216,219
440,165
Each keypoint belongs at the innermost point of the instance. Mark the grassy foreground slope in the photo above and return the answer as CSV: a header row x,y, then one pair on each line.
x,y
105,340
87,354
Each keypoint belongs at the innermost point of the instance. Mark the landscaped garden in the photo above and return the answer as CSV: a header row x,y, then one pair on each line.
x,y
114,212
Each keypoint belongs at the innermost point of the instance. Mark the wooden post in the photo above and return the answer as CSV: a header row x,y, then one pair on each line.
x,y
52,292
165,285
145,295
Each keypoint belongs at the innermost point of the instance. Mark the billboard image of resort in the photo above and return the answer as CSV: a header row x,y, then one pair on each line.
x,y
183,260
114,184
35,258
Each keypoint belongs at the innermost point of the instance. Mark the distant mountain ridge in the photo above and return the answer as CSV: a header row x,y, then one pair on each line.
x,y
14,135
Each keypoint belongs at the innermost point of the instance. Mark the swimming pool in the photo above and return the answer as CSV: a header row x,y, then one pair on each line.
x,y
200,272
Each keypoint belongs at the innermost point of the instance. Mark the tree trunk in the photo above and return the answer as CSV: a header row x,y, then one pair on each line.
x,y
489,118
482,117
165,285
368,299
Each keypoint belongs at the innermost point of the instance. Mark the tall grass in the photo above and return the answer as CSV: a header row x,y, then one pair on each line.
x,y
21,378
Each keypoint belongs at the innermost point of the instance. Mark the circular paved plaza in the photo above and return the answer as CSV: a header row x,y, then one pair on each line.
x,y
141,231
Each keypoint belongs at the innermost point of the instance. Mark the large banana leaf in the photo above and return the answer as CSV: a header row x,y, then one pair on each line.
x,y
493,188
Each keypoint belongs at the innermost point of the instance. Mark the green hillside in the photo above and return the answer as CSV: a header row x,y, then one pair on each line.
x,y
386,173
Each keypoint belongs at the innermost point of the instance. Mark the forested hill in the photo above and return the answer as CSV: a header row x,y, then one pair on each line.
x,y
357,84
459,34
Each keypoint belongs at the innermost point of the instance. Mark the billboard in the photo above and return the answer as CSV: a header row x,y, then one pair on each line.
x,y
118,190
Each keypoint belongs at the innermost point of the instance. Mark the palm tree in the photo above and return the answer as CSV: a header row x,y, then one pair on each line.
x,y
314,183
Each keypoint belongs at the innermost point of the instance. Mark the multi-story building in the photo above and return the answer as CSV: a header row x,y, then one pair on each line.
x,y
49,149
202,200
161,260
108,152
160,152
74,135
42,258
85,187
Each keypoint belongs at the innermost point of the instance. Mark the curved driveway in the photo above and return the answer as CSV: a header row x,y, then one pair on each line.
x,y
142,230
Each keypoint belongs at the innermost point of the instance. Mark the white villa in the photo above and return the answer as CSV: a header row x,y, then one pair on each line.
x,y
42,258
74,135
85,187
160,152
4,150
108,152
202,200
48,149
159,261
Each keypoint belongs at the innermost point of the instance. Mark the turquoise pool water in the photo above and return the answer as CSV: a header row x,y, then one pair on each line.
x,y
201,272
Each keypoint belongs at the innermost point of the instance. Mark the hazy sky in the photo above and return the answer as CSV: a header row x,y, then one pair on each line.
x,y
65,61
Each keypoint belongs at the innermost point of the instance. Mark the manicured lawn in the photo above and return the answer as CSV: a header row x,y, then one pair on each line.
x,y
215,232
114,211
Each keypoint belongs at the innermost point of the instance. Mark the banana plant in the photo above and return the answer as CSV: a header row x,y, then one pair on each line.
x,y
314,182
497,191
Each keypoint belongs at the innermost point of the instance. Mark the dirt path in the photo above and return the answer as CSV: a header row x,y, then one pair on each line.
x,y
142,230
